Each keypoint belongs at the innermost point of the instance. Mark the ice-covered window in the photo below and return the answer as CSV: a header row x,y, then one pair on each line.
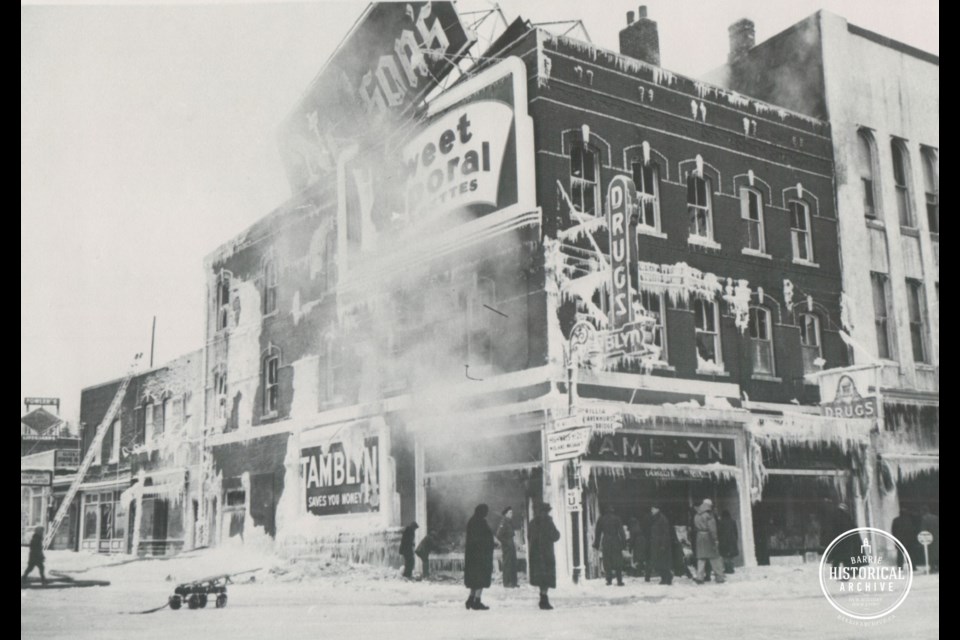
x,y
918,324
707,323
865,162
931,185
223,300
220,394
271,383
901,181
149,416
585,178
269,275
800,233
761,340
646,177
751,210
881,314
700,206
654,307
810,342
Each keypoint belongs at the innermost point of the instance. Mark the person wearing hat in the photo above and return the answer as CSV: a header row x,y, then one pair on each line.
x,y
662,537
35,559
543,535
406,548
707,544
508,548
608,537
478,557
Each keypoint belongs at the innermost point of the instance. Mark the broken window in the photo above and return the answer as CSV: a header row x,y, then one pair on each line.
x,y
810,343
269,275
223,300
646,177
654,307
707,323
761,341
584,179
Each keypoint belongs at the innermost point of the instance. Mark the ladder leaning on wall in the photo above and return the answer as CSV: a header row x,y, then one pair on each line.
x,y
95,446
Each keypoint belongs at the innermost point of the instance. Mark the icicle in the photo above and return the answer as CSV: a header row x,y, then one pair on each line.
x,y
746,126
760,295
590,77
750,177
809,303
788,293
699,165
585,132
645,146
693,109
543,73
642,91
846,317
703,112
579,71
799,190
651,95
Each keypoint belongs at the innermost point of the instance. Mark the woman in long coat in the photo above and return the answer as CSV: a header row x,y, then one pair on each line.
x,y
662,537
728,537
707,545
543,534
478,557
508,548
608,537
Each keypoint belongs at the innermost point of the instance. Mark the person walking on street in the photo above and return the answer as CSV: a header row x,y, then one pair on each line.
x,y
608,537
35,559
406,548
427,546
508,549
543,534
707,545
638,545
478,557
660,553
728,539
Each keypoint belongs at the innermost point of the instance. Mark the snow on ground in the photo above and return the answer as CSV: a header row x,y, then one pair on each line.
x,y
331,599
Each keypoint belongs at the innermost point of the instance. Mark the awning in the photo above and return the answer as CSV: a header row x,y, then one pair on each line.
x,y
904,466
801,429
660,471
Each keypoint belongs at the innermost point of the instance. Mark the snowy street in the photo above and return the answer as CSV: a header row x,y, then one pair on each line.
x,y
301,600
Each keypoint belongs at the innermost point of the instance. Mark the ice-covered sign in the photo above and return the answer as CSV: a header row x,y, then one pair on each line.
x,y
619,206
568,444
339,480
849,392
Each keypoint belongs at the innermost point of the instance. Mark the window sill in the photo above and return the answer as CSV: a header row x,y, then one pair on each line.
x,y
765,377
806,263
935,236
271,314
700,241
653,233
269,417
925,366
876,223
756,254
913,232
713,372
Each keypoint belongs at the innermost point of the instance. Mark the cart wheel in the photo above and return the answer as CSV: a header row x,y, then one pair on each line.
x,y
221,601
176,602
193,601
203,600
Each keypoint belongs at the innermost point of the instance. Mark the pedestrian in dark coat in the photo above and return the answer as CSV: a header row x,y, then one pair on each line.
x,y
638,544
608,537
707,543
406,548
728,538
35,559
543,534
905,530
848,548
478,557
508,549
428,545
660,556
931,522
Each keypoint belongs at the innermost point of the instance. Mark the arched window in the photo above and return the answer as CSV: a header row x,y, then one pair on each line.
x,y
270,382
751,210
810,342
901,181
931,182
761,341
585,178
223,300
700,206
865,165
268,270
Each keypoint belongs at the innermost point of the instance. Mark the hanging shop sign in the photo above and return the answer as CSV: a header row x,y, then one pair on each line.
x,y
67,459
394,56
566,445
36,478
634,339
339,479
849,393
644,447
619,205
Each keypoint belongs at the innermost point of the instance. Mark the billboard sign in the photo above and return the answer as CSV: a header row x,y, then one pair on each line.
x,y
337,480
849,393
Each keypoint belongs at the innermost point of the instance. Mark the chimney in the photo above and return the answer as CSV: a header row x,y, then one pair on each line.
x,y
639,39
742,38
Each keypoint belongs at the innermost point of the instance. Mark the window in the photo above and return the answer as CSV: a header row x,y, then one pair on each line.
x,y
271,384
220,394
90,515
654,307
800,235
150,417
761,341
865,162
810,342
881,314
751,210
269,286
161,415
223,300
918,325
901,180
931,182
479,338
97,451
646,177
584,179
187,408
707,322
331,365
699,206
115,441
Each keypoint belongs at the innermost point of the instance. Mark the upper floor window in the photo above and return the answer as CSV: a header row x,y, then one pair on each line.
x,y
810,342
901,181
223,300
881,314
761,340
585,178
654,307
269,269
751,210
865,157
646,177
163,414
115,441
700,206
931,185
149,417
800,231
707,323
478,336
918,324
270,383
220,394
